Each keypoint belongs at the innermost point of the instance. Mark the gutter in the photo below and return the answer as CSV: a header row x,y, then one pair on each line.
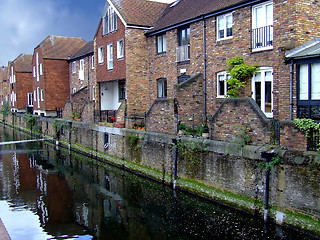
x,y
205,16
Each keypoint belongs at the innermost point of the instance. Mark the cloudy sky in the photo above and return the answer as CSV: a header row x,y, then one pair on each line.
x,y
25,23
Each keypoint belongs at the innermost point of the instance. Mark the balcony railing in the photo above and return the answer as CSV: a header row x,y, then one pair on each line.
x,y
183,53
262,37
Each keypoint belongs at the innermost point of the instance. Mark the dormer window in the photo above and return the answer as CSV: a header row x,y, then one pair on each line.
x,y
109,21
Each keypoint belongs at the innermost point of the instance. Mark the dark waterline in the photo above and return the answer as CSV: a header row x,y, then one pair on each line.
x,y
53,194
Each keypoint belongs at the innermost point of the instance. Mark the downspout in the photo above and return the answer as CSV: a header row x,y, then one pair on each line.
x,y
291,90
88,89
204,71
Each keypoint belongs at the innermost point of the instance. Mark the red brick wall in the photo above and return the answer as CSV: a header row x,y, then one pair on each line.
x,y
136,72
236,114
75,82
119,66
23,85
55,84
161,117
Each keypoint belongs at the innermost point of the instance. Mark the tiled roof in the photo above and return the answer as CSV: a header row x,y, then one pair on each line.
x,y
185,10
139,12
87,49
23,63
310,49
58,47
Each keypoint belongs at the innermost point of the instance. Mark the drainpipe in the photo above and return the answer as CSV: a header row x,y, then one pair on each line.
x,y
204,71
291,90
88,89
268,156
175,144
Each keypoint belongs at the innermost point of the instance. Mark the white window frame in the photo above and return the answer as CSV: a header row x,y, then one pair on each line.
x,y
37,67
110,56
34,95
225,76
73,67
74,90
38,96
30,99
263,70
264,21
120,49
161,43
109,21
100,55
93,93
41,95
81,69
40,69
34,71
92,62
223,19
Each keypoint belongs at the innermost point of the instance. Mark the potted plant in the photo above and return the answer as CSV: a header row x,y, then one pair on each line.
x,y
135,126
205,131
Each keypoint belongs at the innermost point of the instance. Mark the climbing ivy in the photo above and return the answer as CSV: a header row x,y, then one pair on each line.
x,y
307,125
239,73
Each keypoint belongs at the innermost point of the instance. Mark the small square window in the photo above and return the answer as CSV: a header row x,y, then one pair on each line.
x,y
162,87
100,55
120,49
161,43
224,26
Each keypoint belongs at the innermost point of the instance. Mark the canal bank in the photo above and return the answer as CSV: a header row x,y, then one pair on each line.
x,y
231,173
3,232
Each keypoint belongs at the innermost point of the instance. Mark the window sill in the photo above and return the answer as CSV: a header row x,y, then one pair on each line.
x,y
224,39
161,53
262,49
120,59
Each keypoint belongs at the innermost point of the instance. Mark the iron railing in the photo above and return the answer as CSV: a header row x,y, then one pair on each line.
x,y
262,37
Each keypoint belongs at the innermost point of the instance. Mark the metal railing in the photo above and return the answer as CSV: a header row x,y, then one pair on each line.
x,y
183,53
262,37
313,141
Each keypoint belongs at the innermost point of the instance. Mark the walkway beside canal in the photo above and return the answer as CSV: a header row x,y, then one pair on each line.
x,y
3,232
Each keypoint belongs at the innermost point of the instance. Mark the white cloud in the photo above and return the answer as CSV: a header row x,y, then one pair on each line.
x,y
25,23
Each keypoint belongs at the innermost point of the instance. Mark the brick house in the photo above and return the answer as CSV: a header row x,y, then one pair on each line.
x,y
121,58
20,83
198,37
50,69
4,85
82,81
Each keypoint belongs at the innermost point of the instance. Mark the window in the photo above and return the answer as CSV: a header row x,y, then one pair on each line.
x,y
40,69
162,87
222,85
74,90
37,67
122,90
34,96
262,89
120,48
92,62
73,67
224,26
262,26
309,90
30,99
110,56
81,69
93,93
34,71
100,55
109,21
161,43
41,94
183,51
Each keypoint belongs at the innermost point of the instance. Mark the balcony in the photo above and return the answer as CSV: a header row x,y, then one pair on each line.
x,y
183,53
262,38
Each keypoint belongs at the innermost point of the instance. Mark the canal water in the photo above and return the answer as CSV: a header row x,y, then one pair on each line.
x,y
47,193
